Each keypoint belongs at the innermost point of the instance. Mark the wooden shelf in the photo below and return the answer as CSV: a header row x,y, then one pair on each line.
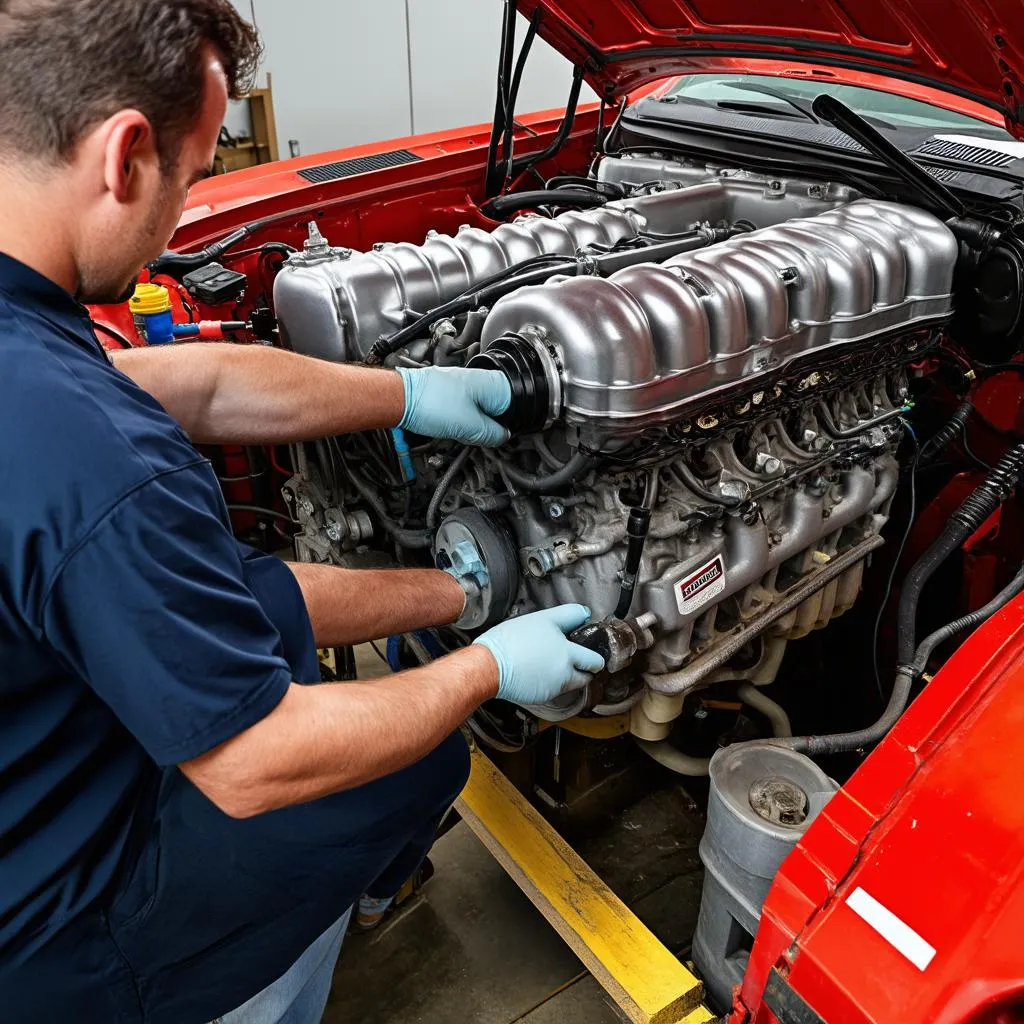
x,y
262,147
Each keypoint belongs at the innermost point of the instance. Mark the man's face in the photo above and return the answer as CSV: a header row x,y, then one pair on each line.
x,y
121,237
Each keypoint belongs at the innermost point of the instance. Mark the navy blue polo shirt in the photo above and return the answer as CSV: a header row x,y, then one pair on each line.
x,y
128,637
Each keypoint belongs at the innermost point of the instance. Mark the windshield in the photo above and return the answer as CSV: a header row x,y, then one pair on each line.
x,y
898,111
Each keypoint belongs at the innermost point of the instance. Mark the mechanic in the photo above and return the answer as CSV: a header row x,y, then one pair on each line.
x,y
183,824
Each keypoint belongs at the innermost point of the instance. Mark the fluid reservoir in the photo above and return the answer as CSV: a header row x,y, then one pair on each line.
x,y
763,798
151,307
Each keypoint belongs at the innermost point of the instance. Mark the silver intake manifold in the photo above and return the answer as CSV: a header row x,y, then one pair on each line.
x,y
638,348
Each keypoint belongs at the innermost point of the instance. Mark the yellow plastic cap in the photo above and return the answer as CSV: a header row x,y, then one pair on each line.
x,y
149,299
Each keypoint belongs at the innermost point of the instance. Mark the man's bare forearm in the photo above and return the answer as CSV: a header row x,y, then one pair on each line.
x,y
350,606
324,739
251,394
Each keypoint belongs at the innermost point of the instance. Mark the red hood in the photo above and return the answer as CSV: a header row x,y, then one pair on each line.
x,y
973,48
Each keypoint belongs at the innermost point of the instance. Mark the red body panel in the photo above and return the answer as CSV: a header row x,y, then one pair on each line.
x,y
931,826
973,48
451,164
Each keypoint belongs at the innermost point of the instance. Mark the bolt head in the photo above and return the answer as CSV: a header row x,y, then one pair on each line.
x,y
556,510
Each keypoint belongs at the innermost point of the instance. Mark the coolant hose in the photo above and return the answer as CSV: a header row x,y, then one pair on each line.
x,y
690,479
697,767
674,759
773,711
553,481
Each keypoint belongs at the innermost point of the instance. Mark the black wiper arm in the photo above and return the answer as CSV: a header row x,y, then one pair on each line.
x,y
764,90
753,107
838,114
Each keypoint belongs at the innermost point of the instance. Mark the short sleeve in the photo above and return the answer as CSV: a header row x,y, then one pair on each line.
x,y
151,609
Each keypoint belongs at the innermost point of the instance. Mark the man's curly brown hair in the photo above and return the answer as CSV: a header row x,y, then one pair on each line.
x,y
67,65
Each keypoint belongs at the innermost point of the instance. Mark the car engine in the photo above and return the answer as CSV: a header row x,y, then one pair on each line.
x,y
709,378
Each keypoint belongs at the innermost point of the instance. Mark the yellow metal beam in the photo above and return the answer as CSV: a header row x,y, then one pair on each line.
x,y
646,981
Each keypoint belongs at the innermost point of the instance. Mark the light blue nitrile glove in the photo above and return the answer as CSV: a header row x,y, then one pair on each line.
x,y
536,660
456,404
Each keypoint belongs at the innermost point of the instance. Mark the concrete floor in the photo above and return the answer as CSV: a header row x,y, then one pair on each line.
x,y
472,949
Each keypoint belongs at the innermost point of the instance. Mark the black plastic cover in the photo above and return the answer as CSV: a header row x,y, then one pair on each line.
x,y
215,284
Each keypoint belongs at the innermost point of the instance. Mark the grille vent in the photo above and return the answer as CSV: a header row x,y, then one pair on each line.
x,y
960,151
360,165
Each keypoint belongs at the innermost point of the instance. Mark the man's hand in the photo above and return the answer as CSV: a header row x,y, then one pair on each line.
x,y
536,660
456,404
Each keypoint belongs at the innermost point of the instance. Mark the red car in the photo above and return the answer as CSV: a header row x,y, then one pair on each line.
x,y
761,310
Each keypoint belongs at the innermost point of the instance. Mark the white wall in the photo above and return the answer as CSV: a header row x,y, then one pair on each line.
x,y
342,68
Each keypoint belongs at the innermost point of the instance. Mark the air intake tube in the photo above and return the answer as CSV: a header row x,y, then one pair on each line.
x,y
536,392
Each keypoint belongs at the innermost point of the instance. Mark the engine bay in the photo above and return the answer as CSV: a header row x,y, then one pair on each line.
x,y
741,404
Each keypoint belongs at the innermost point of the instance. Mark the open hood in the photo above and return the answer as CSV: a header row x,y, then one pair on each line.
x,y
972,48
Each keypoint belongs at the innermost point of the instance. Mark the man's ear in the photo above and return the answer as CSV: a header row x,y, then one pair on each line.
x,y
129,148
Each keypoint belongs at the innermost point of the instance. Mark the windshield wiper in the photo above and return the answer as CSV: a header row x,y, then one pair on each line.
x,y
764,90
760,109
836,113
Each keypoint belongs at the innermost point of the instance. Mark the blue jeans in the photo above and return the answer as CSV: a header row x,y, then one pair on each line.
x,y
300,994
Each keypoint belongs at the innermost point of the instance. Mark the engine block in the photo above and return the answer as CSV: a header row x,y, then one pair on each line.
x,y
742,401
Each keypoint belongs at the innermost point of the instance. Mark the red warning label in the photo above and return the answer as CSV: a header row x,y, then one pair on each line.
x,y
701,586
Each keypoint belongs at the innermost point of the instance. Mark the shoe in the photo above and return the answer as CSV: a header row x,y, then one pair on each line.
x,y
371,911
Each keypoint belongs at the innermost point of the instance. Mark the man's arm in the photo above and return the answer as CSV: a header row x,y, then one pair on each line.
x,y
323,739
251,394
349,606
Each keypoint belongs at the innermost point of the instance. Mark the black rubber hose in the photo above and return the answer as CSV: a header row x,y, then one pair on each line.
x,y
611,189
513,277
843,742
691,481
259,510
513,93
976,508
553,481
637,527
947,433
502,206
177,264
444,486
968,621
508,33
526,162
413,539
